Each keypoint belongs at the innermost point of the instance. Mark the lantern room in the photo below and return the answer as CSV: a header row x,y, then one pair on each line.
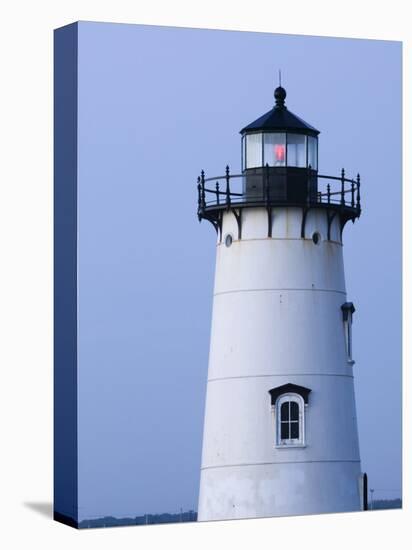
x,y
283,148
279,169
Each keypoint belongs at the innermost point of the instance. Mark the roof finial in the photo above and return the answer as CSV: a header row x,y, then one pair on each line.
x,y
280,94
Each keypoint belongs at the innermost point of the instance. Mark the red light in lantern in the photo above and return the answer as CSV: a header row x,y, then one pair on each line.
x,y
280,152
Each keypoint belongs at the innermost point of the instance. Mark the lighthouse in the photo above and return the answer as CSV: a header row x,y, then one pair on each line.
x,y
280,431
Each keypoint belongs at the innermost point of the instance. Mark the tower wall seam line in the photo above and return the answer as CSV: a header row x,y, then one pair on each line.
x,y
278,462
279,289
281,374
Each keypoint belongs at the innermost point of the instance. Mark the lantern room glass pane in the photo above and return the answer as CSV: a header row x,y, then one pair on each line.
x,y
313,152
243,153
253,150
274,149
297,150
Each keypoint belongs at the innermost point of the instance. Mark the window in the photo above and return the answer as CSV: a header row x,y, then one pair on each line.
x,y
316,238
243,152
279,149
274,149
228,240
289,412
288,404
253,150
348,310
297,150
313,152
289,420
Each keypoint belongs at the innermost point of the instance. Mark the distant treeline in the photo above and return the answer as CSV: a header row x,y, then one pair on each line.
x,y
386,504
152,519
110,521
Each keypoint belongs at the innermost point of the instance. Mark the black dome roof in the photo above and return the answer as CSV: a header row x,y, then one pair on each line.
x,y
279,118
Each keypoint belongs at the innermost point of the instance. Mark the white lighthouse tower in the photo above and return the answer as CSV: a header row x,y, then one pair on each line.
x,y
280,431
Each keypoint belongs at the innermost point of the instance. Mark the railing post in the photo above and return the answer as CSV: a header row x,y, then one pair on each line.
x,y
198,191
358,192
227,187
203,194
217,193
342,192
352,189
328,191
199,200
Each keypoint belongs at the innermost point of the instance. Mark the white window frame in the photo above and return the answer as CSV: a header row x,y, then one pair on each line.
x,y
287,443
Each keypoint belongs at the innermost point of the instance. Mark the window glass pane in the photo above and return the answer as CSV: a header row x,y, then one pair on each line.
x,y
243,152
274,149
253,150
313,152
294,410
284,430
294,430
284,411
297,150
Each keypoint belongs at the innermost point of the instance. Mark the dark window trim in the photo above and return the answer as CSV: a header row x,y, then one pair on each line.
x,y
289,388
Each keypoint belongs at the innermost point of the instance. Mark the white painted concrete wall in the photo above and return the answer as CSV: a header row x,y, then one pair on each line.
x,y
277,319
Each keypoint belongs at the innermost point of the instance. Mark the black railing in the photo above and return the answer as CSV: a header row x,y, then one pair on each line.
x,y
337,192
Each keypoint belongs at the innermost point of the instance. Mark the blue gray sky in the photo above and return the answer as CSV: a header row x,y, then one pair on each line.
x,y
156,105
